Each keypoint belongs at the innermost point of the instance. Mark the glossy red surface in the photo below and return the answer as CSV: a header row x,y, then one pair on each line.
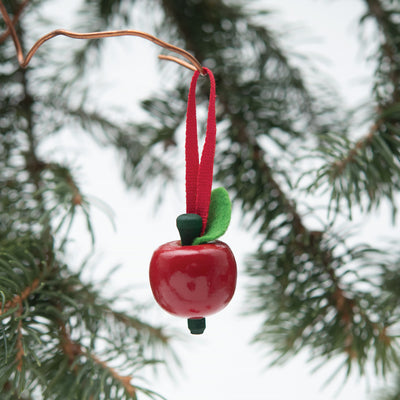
x,y
193,281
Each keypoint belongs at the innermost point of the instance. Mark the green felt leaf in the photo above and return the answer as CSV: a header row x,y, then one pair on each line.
x,y
219,216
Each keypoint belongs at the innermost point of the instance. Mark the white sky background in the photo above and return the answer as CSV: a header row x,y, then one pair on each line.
x,y
221,364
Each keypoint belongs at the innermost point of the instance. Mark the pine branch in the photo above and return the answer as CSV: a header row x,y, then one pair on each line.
x,y
140,163
37,289
10,394
390,392
366,170
63,296
124,380
390,44
74,350
338,167
135,323
19,343
313,244
303,310
18,300
362,172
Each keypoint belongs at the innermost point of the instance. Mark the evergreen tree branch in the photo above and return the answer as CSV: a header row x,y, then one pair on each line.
x,y
88,295
338,167
390,44
135,323
367,170
37,289
12,395
71,349
74,350
64,296
140,163
18,300
124,380
390,392
19,344
313,245
362,172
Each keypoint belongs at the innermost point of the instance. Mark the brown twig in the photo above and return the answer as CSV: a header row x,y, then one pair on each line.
x,y
17,301
20,298
19,344
192,63
340,165
69,348
73,350
124,380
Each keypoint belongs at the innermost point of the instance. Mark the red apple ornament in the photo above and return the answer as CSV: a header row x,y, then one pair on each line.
x,y
196,276
193,281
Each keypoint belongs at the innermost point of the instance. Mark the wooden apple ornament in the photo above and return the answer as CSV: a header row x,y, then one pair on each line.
x,y
196,276
193,280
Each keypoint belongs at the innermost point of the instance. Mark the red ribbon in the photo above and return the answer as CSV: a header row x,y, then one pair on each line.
x,y
199,175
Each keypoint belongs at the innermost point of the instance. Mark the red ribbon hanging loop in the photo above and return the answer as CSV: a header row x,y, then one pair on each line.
x,y
199,175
